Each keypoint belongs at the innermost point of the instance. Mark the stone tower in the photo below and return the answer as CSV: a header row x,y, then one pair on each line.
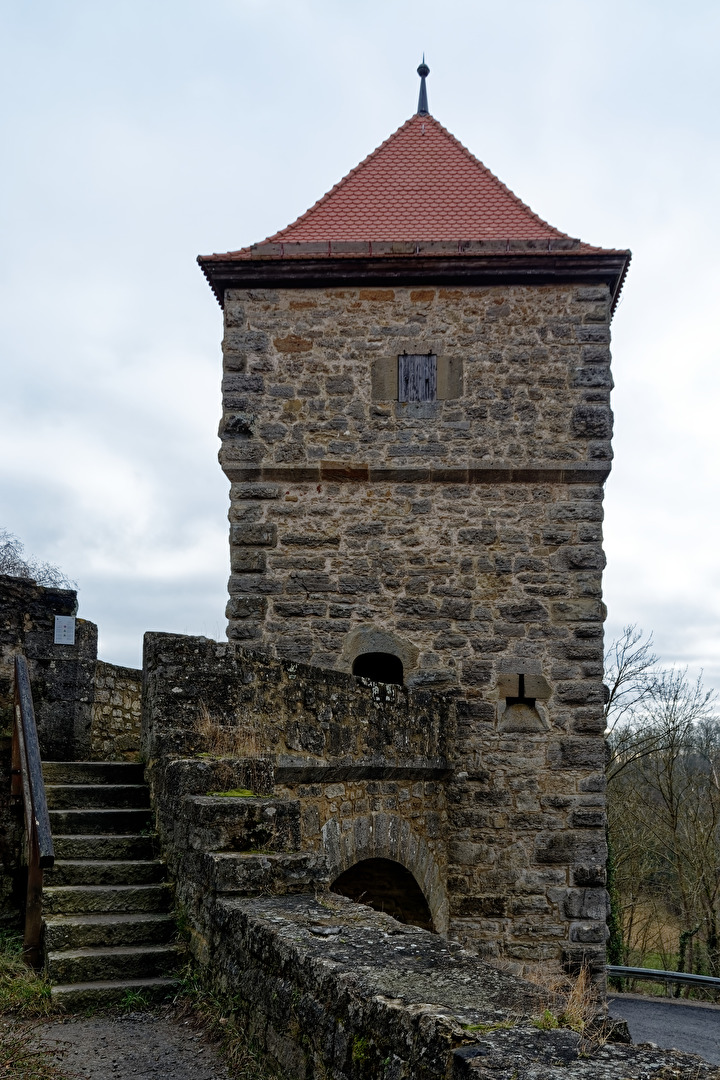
x,y
416,429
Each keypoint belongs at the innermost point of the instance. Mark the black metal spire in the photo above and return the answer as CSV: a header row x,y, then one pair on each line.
x,y
423,71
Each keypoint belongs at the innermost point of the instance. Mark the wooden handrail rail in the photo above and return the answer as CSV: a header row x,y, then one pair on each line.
x,y
27,782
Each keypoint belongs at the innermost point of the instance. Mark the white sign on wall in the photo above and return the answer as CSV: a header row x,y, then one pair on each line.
x,y
64,630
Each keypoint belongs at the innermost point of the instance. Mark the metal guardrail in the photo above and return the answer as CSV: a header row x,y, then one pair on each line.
x,y
27,783
655,975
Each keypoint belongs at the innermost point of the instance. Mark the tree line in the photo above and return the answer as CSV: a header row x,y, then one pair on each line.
x,y
663,772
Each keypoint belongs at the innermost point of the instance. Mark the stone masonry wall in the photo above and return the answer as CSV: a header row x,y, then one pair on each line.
x,y
503,830
392,544
116,713
465,536
83,707
61,679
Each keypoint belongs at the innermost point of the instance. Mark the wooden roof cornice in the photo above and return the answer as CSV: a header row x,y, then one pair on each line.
x,y
442,263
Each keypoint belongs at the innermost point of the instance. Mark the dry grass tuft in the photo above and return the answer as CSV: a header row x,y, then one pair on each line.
x,y
222,740
571,1002
21,1061
22,991
219,1019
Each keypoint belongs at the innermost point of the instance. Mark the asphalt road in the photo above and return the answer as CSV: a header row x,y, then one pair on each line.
x,y
673,1024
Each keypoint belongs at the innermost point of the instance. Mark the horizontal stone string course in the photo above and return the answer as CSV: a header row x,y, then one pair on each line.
x,y
336,472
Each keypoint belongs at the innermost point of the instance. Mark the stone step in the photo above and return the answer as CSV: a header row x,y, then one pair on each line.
x,y
72,899
104,847
78,996
216,823
89,931
117,962
98,872
250,872
92,772
97,822
101,796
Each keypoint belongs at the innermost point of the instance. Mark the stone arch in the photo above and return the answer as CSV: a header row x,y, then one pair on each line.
x,y
372,639
380,667
387,836
388,886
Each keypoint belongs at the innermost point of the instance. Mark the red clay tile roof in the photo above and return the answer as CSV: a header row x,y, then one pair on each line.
x,y
420,184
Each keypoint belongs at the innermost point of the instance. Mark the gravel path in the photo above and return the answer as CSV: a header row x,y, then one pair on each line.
x,y
145,1045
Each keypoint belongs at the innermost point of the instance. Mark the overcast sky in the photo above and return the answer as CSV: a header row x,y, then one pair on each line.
x,y
137,135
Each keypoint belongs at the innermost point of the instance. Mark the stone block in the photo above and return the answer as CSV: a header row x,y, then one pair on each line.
x,y
589,933
490,907
586,904
570,847
246,607
449,377
254,535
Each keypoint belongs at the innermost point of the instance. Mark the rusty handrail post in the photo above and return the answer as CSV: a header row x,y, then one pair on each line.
x,y
27,780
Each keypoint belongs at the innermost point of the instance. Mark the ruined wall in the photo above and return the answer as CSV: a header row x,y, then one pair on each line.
x,y
503,830
61,675
83,707
116,713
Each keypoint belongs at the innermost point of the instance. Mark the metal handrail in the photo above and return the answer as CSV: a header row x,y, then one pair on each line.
x,y
27,782
654,974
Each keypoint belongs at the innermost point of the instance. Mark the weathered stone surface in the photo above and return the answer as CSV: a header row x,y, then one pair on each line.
x,y
84,708
331,989
347,770
115,719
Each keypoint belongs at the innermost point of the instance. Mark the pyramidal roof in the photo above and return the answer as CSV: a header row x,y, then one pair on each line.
x,y
419,206
420,184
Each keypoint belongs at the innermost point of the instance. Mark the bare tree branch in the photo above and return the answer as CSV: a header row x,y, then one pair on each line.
x,y
15,563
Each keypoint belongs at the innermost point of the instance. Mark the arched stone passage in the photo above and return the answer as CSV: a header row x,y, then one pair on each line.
x,y
379,666
387,836
388,886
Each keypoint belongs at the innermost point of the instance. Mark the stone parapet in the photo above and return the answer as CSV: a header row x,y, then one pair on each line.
x,y
327,988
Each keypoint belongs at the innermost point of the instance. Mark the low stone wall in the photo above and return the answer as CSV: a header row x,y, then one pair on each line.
x,y
116,713
330,989
316,723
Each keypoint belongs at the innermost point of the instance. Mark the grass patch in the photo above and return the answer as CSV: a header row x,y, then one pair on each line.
x,y
219,1018
484,1028
133,999
20,1061
236,793
547,1021
22,991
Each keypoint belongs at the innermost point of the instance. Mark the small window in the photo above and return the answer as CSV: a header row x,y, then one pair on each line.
x,y
417,377
380,667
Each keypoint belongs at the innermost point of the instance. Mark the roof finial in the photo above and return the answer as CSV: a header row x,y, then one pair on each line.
x,y
423,71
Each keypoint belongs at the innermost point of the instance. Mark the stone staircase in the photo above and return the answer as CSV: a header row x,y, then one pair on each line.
x,y
108,928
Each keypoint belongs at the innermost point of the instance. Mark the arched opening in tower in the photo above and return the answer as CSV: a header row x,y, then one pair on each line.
x,y
388,886
379,666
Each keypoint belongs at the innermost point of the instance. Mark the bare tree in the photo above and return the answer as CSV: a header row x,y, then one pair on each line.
x,y
663,808
15,563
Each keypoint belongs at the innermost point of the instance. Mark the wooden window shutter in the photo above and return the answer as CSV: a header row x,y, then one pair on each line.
x,y
417,377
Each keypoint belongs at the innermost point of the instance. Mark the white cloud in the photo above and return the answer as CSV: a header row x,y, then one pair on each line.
x,y
139,135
